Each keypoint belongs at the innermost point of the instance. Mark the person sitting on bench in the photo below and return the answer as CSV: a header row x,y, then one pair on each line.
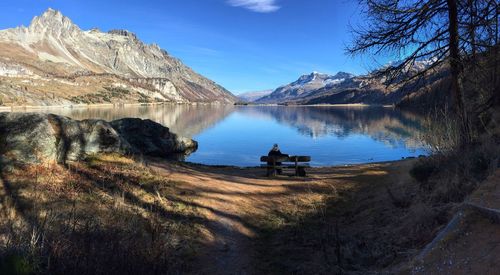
x,y
275,152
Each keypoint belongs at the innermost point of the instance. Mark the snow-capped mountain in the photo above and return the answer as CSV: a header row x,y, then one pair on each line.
x,y
411,68
305,86
53,61
344,88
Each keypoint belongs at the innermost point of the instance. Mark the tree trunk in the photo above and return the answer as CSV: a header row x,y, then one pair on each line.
x,y
496,85
455,70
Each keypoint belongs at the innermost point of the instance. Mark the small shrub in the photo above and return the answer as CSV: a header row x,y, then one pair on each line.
x,y
423,170
443,131
484,160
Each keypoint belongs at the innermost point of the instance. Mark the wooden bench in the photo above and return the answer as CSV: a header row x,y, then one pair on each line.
x,y
299,163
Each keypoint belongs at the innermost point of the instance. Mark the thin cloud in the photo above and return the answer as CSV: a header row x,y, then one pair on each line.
x,y
203,50
262,6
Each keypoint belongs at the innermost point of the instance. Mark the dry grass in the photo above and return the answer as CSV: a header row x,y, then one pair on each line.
x,y
111,214
359,226
451,175
108,215
376,221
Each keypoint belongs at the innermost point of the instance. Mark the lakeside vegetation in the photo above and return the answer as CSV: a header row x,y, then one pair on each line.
x,y
114,214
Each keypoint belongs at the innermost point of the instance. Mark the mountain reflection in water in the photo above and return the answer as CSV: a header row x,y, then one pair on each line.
x,y
238,135
381,123
185,120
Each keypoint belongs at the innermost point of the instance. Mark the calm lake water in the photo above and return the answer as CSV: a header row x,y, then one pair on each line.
x,y
239,135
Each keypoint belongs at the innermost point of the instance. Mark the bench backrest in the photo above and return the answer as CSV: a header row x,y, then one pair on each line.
x,y
300,158
274,158
285,158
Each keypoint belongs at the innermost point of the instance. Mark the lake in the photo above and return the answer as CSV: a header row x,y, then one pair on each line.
x,y
239,135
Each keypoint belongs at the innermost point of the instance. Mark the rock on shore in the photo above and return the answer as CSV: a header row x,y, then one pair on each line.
x,y
37,137
150,138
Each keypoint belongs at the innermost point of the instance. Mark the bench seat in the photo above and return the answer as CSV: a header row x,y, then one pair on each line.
x,y
303,165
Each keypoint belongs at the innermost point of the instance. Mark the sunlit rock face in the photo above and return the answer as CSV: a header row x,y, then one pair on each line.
x,y
53,55
35,138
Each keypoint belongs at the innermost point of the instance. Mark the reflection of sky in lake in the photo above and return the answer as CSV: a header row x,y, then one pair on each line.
x,y
230,135
241,139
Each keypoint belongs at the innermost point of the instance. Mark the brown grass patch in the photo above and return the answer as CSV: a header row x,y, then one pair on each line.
x,y
106,215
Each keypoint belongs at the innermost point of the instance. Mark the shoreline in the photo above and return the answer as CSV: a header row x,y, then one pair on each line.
x,y
321,105
215,166
120,105
99,105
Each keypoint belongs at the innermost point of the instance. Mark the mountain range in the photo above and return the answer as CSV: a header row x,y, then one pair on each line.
x,y
54,62
253,96
305,86
346,88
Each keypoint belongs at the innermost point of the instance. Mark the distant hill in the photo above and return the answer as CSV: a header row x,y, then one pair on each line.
x,y
53,61
253,96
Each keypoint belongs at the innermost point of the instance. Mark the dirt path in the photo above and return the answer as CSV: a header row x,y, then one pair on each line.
x,y
228,196
225,198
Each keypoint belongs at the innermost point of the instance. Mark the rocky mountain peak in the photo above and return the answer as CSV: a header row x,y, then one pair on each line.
x,y
125,33
315,73
314,76
52,21
54,45
309,77
51,13
344,75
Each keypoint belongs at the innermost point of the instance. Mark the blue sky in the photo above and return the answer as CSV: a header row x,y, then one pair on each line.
x,y
244,45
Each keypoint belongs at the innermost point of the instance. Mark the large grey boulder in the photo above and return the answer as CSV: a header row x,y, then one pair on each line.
x,y
36,137
151,138
26,138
